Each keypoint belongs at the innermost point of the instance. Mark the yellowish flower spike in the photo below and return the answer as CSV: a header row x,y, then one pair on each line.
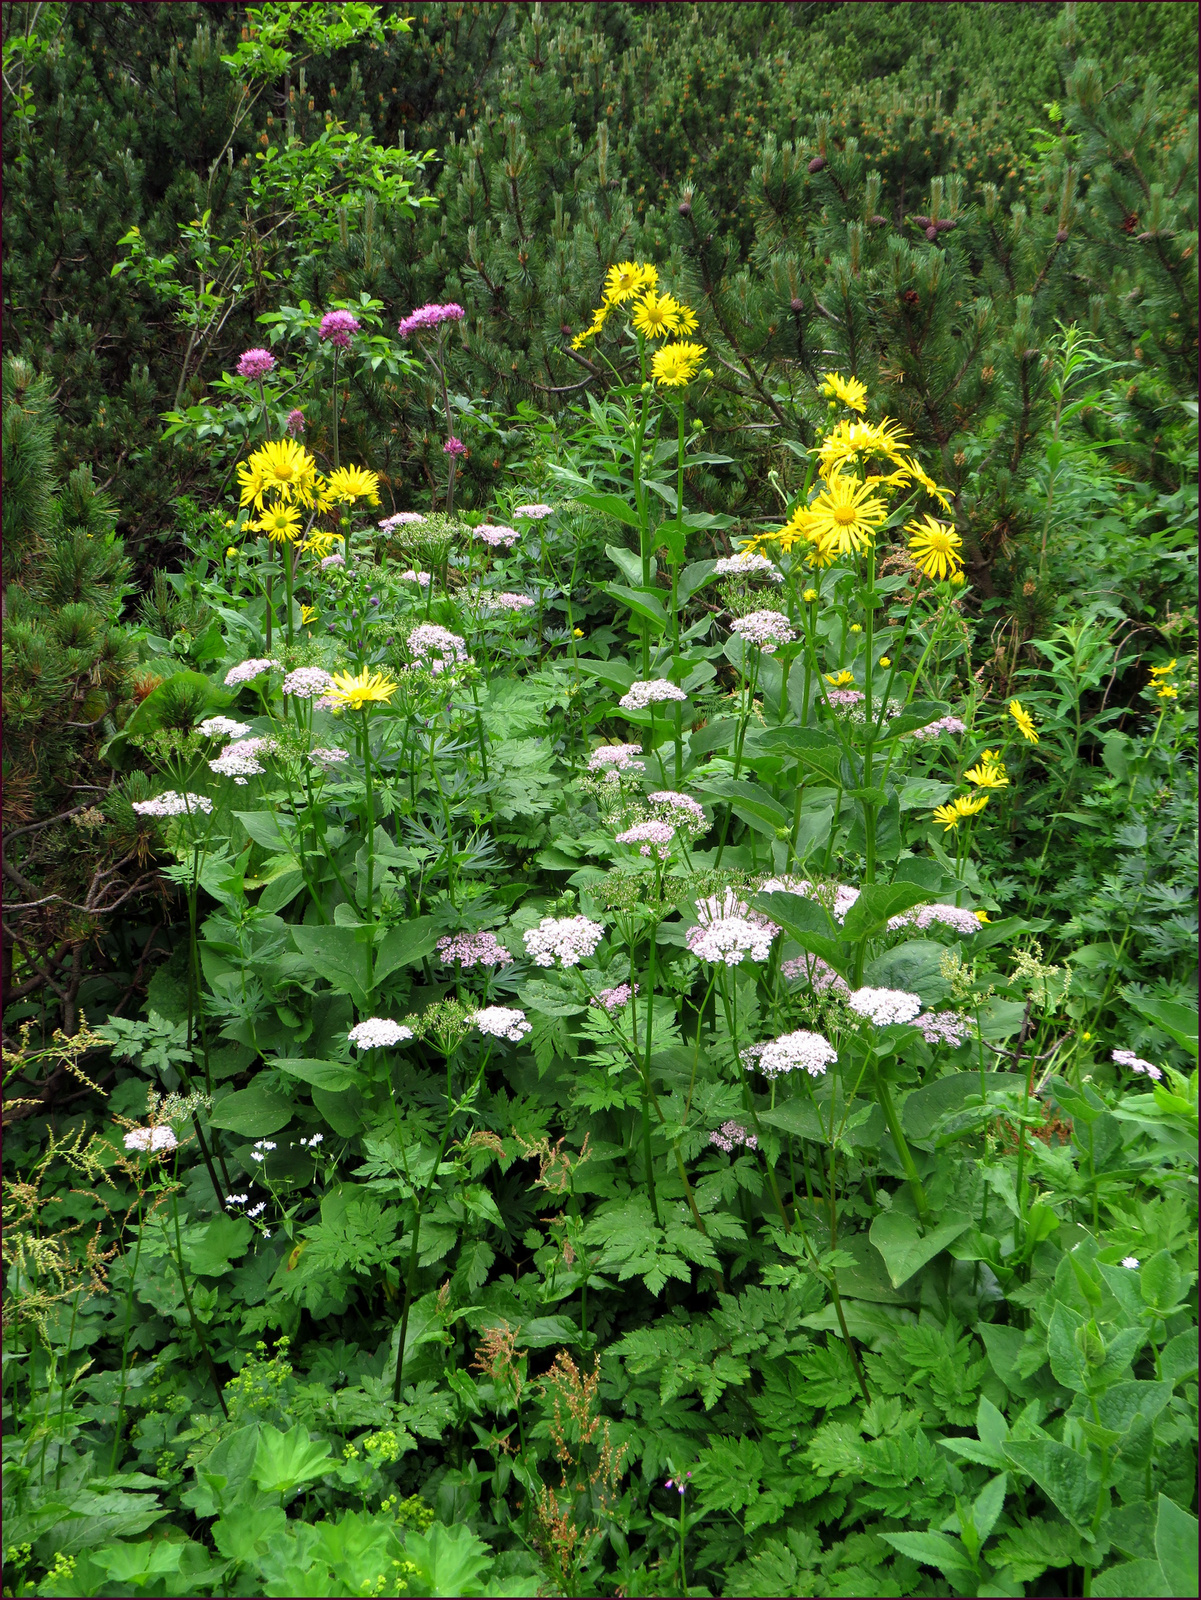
x,y
920,475
350,484
935,548
282,465
676,364
351,692
657,315
849,391
989,773
845,515
1024,721
623,282
280,522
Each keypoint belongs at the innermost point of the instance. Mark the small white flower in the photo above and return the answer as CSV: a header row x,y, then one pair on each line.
x,y
569,939
883,1006
746,563
767,629
616,758
306,683
501,1022
378,1031
222,728
640,695
811,1051
171,804
1130,1262
536,511
247,670
257,1211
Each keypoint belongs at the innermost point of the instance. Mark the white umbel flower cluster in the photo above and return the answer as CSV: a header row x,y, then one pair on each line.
x,y
812,1052
378,1031
883,1006
640,695
172,804
654,838
767,629
837,898
922,917
222,728
610,759
746,564
246,670
565,939
437,648
241,761
306,683
502,1022
728,930
157,1140
681,810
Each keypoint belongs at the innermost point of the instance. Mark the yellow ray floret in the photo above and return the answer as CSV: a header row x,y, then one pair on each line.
x,y
622,282
656,315
686,320
1024,721
840,680
934,547
321,541
281,465
1164,672
676,364
855,439
350,484
959,809
849,391
280,522
351,693
989,773
845,516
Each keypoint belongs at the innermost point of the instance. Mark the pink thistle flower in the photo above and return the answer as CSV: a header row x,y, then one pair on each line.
x,y
429,316
337,327
454,447
255,363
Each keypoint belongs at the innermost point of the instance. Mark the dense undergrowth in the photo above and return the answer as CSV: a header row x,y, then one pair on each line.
x,y
608,1045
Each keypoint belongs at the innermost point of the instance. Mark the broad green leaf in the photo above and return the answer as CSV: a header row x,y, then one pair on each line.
x,y
1176,1547
611,505
988,1506
222,1240
1118,1407
283,1461
808,922
1142,1577
628,562
878,902
321,1074
924,1106
405,946
1178,1358
904,1249
139,1564
1178,1021
914,966
254,1112
449,1561
1067,1360
339,955
1061,1473
268,829
932,1550
645,603
244,1531
1161,1282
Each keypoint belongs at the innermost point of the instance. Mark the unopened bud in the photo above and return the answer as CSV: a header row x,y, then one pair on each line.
x,y
817,163
796,303
685,208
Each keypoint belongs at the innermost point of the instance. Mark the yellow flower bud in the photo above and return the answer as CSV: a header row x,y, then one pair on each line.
x,y
957,579
577,633
855,628
231,552
885,662
810,595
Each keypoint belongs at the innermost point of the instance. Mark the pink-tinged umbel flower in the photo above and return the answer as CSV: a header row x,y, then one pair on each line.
x,y
295,423
255,363
1127,1058
430,316
337,327
473,950
454,447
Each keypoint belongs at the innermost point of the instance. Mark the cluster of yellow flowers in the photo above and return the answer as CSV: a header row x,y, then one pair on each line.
x,y
988,773
1159,677
281,479
859,465
654,316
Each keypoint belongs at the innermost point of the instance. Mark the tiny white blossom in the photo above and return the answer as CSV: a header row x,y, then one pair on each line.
x,y
501,1022
246,670
377,1031
1130,1263
222,728
883,1006
640,695
568,939
171,804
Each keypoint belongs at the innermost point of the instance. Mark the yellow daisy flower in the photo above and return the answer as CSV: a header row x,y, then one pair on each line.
x,y
984,917
623,282
282,465
1024,721
280,522
650,275
989,773
307,613
686,320
809,596
351,693
1156,672
934,547
840,680
676,364
959,809
321,541
847,439
657,315
849,391
1167,692
598,322
350,484
920,475
845,515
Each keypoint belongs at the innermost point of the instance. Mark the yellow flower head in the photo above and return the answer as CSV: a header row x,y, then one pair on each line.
x,y
686,320
934,547
676,364
623,282
849,439
984,917
350,484
1024,721
840,680
990,773
919,475
1164,672
321,541
885,661
809,596
799,527
962,807
1167,691
657,315
845,515
351,693
282,465
849,391
231,553
307,613
280,522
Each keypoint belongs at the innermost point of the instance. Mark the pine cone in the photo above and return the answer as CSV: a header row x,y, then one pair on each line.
x,y
945,226
922,222
910,297
880,222
685,208
817,163
931,232
797,304
1062,236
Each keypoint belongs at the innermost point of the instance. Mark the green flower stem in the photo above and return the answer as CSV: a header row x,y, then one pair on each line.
x,y
742,727
479,729
196,1329
286,557
675,566
644,534
644,1072
1027,1085
369,843
112,1465
884,1095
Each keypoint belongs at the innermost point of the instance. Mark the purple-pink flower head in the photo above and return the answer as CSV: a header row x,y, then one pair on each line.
x,y
295,423
429,317
454,447
256,364
337,327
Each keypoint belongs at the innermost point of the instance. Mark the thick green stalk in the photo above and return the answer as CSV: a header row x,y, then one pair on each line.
x,y
884,1096
369,843
112,1465
196,1329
